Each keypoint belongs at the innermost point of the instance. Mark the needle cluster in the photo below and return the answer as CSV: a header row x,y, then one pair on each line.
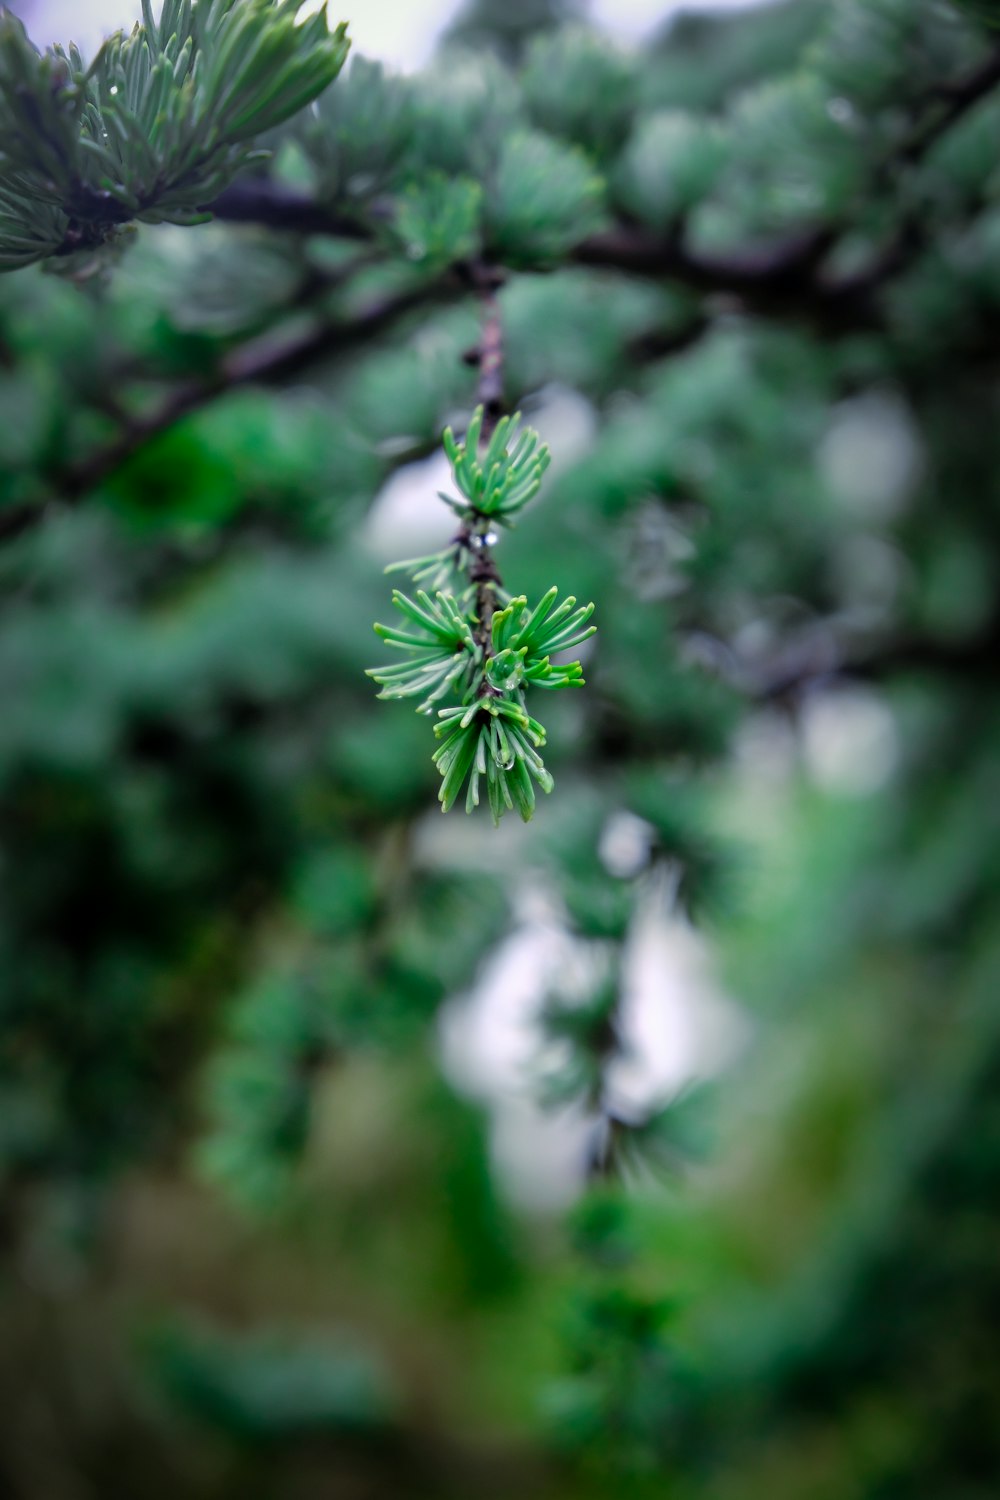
x,y
156,126
472,651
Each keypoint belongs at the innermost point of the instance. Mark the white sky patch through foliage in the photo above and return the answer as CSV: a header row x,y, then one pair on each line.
x,y
400,32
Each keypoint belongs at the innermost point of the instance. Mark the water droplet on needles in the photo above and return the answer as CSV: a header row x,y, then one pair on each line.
x,y
490,539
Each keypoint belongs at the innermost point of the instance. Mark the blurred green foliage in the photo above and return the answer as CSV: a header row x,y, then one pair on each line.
x,y
706,1207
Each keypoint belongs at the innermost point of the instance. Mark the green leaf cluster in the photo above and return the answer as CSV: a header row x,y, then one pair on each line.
x,y
358,136
158,124
438,220
544,198
671,163
501,481
564,73
487,660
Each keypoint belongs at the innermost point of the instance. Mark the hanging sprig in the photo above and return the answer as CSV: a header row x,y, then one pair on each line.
x,y
505,479
158,124
476,643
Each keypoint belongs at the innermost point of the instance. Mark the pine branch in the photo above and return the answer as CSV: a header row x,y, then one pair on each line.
x,y
470,640
783,277
958,98
856,291
825,653
476,538
779,278
627,248
271,205
161,121
265,361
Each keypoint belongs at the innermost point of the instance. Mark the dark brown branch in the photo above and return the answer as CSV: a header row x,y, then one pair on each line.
x,y
788,273
491,377
959,97
474,539
856,291
823,655
264,361
772,277
973,660
783,275
776,267
258,200
625,248
661,343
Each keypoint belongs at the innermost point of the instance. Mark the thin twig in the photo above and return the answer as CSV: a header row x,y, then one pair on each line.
x,y
959,97
264,361
491,371
853,294
476,536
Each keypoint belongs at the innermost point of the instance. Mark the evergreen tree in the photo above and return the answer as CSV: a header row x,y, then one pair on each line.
x,y
256,1235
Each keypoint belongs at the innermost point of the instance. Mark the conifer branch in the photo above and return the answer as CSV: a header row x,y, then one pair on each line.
x,y
471,640
781,277
957,98
261,201
267,360
768,268
476,538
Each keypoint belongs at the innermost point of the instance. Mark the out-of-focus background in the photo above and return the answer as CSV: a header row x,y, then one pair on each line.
x,y
348,1150
401,32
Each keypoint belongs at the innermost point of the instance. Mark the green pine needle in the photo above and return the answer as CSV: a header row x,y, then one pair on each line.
x,y
159,123
488,735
